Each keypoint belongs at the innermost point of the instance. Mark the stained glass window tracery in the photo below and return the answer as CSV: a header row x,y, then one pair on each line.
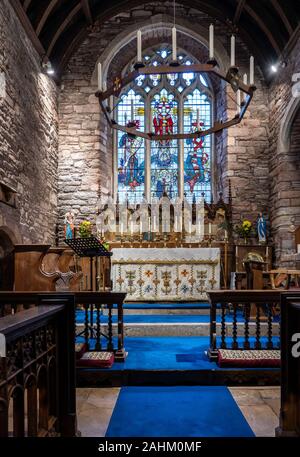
x,y
165,104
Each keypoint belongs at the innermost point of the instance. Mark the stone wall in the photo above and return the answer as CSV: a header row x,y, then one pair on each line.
x,y
28,135
85,148
284,148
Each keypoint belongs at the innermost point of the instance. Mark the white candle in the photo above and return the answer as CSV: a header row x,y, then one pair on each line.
x,y
99,76
104,86
111,103
245,81
132,111
174,44
190,227
154,223
251,70
232,55
139,46
211,42
149,224
198,119
131,227
141,227
209,228
122,228
238,102
226,235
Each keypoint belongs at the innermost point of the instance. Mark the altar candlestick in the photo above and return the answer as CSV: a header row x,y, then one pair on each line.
x,y
251,70
121,228
209,228
174,44
238,102
99,77
132,111
245,81
226,235
139,46
211,42
141,227
232,54
131,227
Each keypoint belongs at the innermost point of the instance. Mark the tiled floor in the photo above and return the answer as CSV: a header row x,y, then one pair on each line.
x,y
260,406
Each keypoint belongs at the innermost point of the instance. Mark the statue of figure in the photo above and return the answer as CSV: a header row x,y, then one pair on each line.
x,y
261,229
69,225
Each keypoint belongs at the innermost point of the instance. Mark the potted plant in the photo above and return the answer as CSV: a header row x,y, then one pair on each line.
x,y
244,230
85,229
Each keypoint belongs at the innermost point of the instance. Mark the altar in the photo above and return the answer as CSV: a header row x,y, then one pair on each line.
x,y
166,274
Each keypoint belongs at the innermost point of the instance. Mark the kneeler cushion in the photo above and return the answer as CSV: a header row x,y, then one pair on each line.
x,y
80,349
249,358
96,359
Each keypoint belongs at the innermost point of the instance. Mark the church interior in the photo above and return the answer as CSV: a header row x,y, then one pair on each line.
x,y
150,218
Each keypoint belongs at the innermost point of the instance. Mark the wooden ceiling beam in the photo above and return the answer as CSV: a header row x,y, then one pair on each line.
x,y
20,12
45,16
264,28
238,11
26,5
62,28
282,16
87,10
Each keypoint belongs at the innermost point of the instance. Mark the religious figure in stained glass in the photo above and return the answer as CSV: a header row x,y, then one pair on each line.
x,y
164,157
130,170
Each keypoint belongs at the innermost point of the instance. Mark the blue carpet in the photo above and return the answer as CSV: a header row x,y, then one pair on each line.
x,y
169,353
158,318
181,411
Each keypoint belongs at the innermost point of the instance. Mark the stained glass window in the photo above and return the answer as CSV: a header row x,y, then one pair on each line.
x,y
197,151
131,151
163,103
164,154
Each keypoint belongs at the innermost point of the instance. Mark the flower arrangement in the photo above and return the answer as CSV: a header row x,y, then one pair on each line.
x,y
244,229
85,229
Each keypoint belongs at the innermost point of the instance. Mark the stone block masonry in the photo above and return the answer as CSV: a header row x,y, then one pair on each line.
x,y
85,142
28,135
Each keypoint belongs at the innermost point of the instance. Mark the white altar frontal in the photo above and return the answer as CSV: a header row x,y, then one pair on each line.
x,y
165,274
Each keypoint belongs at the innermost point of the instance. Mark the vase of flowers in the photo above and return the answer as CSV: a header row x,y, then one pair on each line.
x,y
244,230
85,229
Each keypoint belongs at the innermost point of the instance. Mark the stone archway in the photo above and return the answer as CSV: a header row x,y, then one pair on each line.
x,y
6,259
288,184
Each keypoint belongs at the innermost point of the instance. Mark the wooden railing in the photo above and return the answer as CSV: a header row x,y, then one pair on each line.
x,y
92,303
93,327
290,365
257,309
37,374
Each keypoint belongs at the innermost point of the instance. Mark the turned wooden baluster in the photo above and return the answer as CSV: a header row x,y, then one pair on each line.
x,y
110,345
270,327
98,328
257,342
235,344
246,318
223,326
86,325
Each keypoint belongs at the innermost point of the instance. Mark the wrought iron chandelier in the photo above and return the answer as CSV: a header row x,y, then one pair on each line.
x,y
232,77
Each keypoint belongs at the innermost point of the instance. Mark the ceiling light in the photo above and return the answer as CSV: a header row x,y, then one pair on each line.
x,y
274,68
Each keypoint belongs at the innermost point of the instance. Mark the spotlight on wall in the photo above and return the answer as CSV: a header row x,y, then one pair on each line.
x,y
47,67
274,68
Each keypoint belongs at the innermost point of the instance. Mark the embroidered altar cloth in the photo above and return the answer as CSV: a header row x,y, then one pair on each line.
x,y
165,274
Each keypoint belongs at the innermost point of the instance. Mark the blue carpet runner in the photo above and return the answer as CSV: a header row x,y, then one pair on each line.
x,y
169,353
182,411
